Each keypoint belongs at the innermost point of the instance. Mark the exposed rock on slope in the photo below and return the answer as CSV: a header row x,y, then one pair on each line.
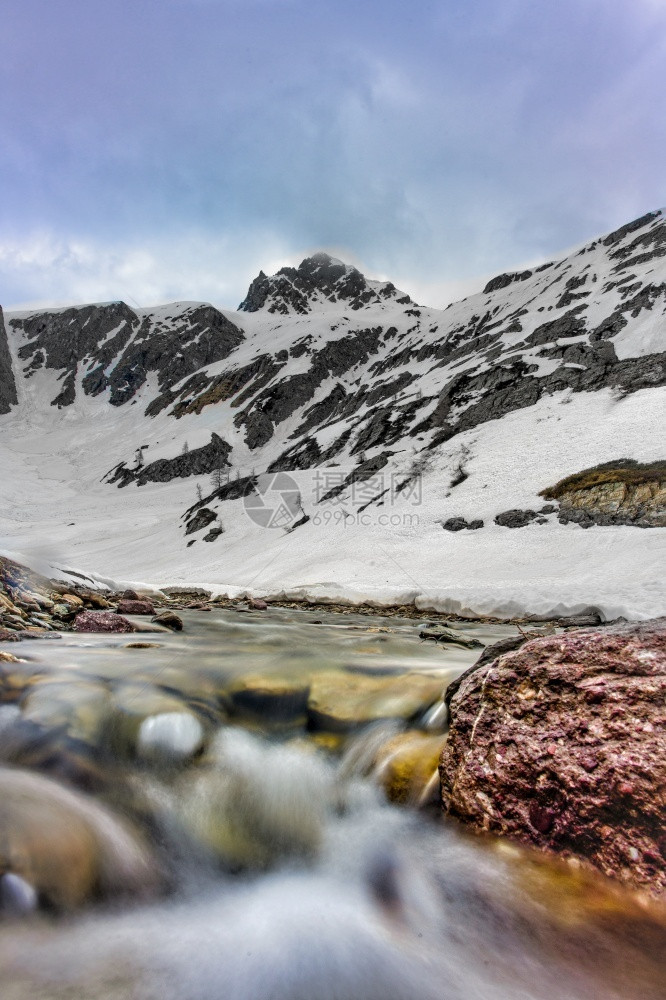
x,y
199,461
622,492
112,347
8,397
562,744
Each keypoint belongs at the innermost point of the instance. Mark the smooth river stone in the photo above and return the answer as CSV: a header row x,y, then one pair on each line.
x,y
15,678
132,706
341,701
80,708
136,608
69,849
170,738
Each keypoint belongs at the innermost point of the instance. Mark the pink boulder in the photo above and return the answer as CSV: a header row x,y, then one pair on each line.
x,y
102,621
136,608
257,604
562,744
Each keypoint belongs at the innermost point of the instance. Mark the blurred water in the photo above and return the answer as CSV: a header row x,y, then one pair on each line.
x,y
291,876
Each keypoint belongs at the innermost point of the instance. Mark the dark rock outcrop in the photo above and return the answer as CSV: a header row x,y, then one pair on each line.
x,y
320,277
562,744
203,517
8,396
504,280
195,462
281,399
116,348
515,518
460,524
213,534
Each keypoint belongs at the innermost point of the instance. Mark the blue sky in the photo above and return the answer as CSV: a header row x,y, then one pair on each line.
x,y
168,149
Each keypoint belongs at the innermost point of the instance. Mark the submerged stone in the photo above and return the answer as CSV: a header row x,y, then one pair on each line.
x,y
17,897
133,706
16,676
78,707
270,697
257,804
341,701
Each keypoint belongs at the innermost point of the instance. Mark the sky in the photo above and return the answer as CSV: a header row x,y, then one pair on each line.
x,y
160,150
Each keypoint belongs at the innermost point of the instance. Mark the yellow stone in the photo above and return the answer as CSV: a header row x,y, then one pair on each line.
x,y
341,701
407,768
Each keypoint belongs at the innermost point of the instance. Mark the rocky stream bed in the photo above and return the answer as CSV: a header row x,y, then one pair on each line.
x,y
214,799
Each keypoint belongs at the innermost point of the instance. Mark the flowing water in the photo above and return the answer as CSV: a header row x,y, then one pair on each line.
x,y
222,794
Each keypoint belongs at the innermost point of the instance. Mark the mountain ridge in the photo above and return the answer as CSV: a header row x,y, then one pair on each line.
x,y
324,369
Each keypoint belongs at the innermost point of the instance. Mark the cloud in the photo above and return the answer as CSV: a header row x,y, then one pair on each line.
x,y
47,271
202,141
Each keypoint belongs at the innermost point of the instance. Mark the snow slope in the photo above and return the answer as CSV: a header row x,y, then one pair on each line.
x,y
387,418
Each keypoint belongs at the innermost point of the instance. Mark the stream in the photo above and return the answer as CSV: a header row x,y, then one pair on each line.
x,y
205,815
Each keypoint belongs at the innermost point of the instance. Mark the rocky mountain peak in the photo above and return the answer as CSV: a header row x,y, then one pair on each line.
x,y
316,280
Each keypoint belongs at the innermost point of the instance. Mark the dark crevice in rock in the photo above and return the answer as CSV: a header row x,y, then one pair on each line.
x,y
365,470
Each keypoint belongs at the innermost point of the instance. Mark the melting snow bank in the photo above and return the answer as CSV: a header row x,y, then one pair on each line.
x,y
542,570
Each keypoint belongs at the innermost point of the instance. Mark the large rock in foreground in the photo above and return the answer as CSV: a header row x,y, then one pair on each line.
x,y
562,744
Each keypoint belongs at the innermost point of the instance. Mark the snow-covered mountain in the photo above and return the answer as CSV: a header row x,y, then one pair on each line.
x,y
332,437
